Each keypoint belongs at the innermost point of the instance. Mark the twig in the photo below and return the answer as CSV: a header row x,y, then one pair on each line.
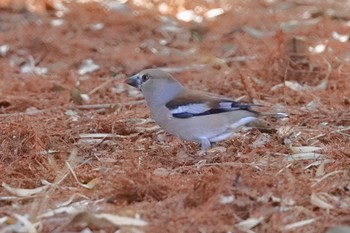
x,y
105,83
326,176
299,224
99,106
284,83
239,58
104,136
232,164
246,81
341,130
316,137
31,113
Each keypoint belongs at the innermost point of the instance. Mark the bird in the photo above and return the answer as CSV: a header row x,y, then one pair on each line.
x,y
192,115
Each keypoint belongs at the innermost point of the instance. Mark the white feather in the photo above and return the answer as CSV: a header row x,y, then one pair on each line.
x,y
190,108
227,105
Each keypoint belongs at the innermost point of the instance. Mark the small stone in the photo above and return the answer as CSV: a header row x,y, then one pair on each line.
x,y
262,140
226,199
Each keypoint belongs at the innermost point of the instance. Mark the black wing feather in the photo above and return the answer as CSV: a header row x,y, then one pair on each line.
x,y
199,106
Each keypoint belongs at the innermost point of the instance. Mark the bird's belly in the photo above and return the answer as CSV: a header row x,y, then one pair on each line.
x,y
192,129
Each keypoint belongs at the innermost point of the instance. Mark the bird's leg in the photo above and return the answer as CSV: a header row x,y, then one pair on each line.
x,y
205,145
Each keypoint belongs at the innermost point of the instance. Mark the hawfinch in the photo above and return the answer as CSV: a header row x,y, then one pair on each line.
x,y
190,114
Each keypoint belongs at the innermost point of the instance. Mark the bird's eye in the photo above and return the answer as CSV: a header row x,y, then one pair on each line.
x,y
144,78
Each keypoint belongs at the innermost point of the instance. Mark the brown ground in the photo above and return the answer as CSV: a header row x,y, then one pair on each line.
x,y
258,50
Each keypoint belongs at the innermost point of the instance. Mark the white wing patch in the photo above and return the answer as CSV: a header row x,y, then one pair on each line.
x,y
190,108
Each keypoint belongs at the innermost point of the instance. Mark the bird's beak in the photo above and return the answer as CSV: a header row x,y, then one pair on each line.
x,y
134,81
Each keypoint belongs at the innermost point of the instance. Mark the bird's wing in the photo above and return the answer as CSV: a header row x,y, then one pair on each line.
x,y
195,103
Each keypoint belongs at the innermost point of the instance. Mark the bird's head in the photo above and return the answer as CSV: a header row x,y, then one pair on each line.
x,y
157,86
152,80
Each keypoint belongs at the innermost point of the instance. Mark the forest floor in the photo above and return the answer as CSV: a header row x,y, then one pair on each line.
x,y
79,150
